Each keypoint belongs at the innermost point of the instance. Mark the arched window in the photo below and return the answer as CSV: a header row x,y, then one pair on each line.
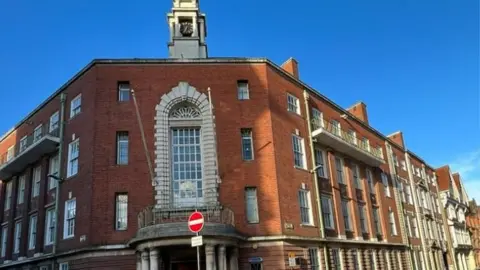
x,y
185,163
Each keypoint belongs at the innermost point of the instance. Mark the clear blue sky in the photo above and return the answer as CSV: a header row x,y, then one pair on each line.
x,y
415,63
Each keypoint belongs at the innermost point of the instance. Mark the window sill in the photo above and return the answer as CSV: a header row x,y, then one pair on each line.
x,y
74,116
308,225
301,169
68,237
329,229
295,113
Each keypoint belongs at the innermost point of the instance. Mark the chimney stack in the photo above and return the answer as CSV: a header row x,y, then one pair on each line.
x,y
359,110
291,66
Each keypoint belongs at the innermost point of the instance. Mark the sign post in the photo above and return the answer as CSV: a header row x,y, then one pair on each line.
x,y
195,225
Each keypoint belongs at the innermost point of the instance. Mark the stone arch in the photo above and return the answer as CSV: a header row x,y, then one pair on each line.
x,y
198,105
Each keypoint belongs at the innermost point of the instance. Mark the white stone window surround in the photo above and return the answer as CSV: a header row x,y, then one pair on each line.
x,y
184,94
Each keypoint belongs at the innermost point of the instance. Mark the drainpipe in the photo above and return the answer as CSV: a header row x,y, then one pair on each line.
x,y
314,173
60,173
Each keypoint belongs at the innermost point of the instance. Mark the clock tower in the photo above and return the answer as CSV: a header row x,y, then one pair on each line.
x,y
187,30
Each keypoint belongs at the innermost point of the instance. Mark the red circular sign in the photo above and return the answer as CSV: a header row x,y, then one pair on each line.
x,y
195,222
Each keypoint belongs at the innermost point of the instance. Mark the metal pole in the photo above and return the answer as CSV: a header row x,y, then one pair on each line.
x,y
142,133
198,256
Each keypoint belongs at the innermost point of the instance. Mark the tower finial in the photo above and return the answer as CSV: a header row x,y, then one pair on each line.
x,y
187,30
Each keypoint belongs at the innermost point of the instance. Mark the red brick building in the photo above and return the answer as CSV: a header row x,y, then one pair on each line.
x,y
285,177
473,223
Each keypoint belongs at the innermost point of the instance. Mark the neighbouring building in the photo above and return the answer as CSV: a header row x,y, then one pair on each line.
x,y
455,205
473,223
105,173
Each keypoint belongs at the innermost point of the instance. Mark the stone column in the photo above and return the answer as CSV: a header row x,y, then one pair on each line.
x,y
210,257
139,260
145,260
222,258
154,256
233,260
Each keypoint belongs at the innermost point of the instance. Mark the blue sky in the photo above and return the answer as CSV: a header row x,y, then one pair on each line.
x,y
415,63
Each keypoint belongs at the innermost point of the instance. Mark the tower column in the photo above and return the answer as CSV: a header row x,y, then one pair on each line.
x,y
154,256
222,258
233,260
145,260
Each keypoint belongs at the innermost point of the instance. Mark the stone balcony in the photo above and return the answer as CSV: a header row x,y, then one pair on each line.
x,y
156,223
28,150
326,133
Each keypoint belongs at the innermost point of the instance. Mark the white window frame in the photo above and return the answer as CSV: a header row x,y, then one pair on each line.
x,y
251,205
293,104
49,226
392,223
10,153
37,133
378,221
76,106
53,169
340,171
8,195
123,144
17,234
317,118
314,258
122,88
63,266
32,232
386,185
327,211
247,143
121,211
336,127
243,91
300,142
21,189
357,178
23,143
72,167
36,179
352,136
346,215
3,251
69,218
305,203
322,167
371,185
366,144
54,122
404,165
362,215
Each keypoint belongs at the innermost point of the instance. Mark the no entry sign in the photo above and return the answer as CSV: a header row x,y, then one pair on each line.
x,y
195,222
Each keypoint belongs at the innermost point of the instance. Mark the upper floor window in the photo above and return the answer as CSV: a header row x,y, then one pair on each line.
x,y
69,222
54,121
327,211
320,163
376,220
10,152
385,185
17,234
53,167
356,176
339,168
352,136
404,165
251,204
391,221
49,226
73,154
8,195
37,133
336,129
32,232
76,106
21,189
363,218
123,91
121,211
242,89
247,143
3,250
346,215
371,186
122,147
395,161
299,151
63,266
317,118
314,259
293,104
37,177
23,143
365,144
305,206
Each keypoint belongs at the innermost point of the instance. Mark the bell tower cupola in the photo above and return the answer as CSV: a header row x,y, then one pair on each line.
x,y
187,30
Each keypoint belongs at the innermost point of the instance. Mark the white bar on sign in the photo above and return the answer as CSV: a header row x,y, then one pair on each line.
x,y
197,241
